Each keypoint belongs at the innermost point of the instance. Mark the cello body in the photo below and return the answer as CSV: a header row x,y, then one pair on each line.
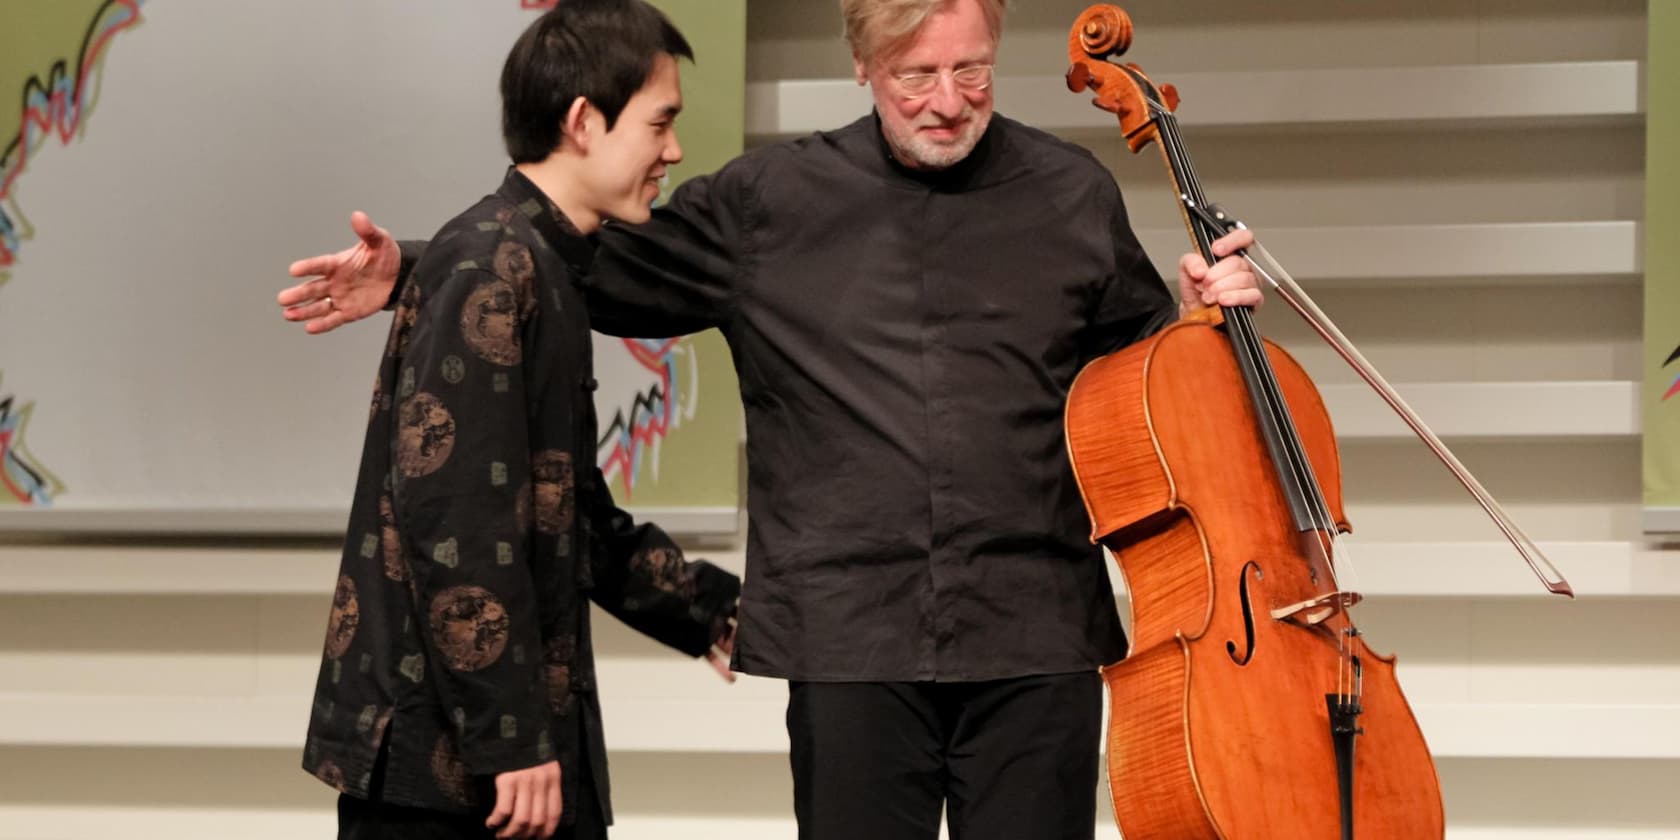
x,y
1249,707
1220,717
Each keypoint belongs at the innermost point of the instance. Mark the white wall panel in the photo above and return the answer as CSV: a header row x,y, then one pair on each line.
x,y
1485,256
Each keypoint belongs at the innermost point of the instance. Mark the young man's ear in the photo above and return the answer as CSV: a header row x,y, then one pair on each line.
x,y
575,128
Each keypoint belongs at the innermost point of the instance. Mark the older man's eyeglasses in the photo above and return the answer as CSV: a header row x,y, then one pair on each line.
x,y
918,85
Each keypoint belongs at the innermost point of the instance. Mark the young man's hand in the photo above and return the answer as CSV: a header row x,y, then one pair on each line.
x,y
722,649
527,802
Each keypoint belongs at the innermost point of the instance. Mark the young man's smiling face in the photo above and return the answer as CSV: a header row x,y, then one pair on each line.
x,y
627,162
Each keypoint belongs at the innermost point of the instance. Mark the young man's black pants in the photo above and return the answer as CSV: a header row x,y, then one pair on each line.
x,y
1008,759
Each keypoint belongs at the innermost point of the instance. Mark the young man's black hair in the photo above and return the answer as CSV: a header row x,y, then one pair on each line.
x,y
601,50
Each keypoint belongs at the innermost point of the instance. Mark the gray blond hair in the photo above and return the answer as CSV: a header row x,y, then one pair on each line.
x,y
881,27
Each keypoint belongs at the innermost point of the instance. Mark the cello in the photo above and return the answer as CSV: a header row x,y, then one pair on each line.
x,y
1250,706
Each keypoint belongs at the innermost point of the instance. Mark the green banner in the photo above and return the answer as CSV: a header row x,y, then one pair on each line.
x,y
698,463
1661,394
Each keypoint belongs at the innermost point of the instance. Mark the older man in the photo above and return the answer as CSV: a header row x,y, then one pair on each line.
x,y
907,300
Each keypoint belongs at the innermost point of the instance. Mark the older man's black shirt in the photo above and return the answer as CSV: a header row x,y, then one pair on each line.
x,y
905,344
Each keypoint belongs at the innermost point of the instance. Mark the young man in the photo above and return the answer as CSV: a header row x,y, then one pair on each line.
x,y
908,299
457,694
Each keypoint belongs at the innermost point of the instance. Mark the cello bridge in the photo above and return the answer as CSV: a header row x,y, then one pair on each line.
x,y
1315,611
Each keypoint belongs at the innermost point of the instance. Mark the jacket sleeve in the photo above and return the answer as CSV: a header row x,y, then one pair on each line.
x,y
1133,302
682,271
459,443
642,578
412,250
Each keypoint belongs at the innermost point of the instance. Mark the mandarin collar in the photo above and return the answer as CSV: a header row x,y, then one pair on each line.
x,y
577,249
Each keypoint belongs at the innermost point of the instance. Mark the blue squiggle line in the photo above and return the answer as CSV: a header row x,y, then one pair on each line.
x,y
627,441
24,481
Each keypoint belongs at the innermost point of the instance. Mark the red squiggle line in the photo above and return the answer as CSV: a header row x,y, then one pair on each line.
x,y
17,492
57,106
63,114
641,434
651,357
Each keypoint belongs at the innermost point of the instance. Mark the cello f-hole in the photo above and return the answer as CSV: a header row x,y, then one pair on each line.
x,y
1248,616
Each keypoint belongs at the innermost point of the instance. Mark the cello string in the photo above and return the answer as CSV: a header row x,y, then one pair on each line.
x,y
1299,468
1241,327
1248,335
1342,557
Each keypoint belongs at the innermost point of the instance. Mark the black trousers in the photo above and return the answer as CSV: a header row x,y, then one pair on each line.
x,y
376,819
1008,759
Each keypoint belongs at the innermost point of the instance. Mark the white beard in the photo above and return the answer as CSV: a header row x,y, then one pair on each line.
x,y
920,152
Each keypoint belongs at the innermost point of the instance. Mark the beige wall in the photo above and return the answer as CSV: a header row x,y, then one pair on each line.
x,y
1551,719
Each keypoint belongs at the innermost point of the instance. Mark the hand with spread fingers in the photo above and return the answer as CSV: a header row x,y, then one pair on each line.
x,y
347,286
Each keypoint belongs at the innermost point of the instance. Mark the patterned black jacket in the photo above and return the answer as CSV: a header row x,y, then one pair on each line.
x,y
480,529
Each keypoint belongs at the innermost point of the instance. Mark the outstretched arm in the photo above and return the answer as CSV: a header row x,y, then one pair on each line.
x,y
642,578
680,272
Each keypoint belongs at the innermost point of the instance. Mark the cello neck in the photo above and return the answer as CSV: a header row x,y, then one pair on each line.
x,y
1296,479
